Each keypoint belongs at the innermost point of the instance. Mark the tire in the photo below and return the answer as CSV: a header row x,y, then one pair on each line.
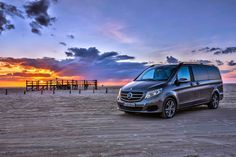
x,y
214,104
169,108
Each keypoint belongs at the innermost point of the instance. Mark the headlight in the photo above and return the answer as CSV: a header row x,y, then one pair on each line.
x,y
119,94
153,93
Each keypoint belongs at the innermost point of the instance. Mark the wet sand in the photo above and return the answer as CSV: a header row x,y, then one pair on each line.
x,y
89,124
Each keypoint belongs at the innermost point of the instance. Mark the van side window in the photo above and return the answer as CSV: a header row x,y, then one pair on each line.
x,y
213,73
200,72
184,73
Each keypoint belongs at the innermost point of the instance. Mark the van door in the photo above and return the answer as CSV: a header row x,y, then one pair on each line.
x,y
203,89
185,89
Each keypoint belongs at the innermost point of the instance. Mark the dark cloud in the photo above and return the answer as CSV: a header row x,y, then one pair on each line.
x,y
229,50
217,50
93,54
124,57
202,61
8,10
36,31
62,43
107,55
71,36
69,54
90,53
219,62
38,12
89,63
171,59
231,63
204,49
44,63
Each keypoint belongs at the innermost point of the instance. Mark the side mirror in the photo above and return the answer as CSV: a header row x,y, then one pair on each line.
x,y
182,80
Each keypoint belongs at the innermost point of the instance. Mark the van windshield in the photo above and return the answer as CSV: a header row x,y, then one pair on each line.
x,y
161,73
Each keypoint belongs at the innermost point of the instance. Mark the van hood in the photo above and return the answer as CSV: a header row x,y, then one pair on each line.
x,y
142,85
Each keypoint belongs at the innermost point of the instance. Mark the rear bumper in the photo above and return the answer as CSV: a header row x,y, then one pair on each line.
x,y
144,106
221,96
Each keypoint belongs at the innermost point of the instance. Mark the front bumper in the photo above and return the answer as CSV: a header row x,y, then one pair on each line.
x,y
144,106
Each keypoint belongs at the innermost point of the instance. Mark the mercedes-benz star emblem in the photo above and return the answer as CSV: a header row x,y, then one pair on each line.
x,y
129,95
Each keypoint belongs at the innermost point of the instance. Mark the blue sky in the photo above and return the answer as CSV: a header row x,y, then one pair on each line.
x,y
134,27
149,30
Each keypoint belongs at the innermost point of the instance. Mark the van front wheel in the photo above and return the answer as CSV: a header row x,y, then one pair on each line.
x,y
169,108
214,104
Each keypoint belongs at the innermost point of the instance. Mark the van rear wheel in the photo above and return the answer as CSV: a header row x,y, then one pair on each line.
x,y
169,108
214,104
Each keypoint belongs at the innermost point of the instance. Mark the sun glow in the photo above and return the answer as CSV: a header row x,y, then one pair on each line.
x,y
15,75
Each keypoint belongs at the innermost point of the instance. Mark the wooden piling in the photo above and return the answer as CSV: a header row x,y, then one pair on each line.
x,y
6,92
26,85
60,84
96,84
24,92
32,85
79,91
106,90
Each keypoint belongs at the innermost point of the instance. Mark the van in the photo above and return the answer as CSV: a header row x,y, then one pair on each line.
x,y
167,88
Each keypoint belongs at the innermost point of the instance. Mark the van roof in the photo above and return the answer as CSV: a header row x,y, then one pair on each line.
x,y
195,63
181,63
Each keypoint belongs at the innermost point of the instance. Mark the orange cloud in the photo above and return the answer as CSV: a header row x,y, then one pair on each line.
x,y
13,74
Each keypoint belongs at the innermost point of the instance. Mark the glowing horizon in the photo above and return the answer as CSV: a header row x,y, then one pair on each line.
x,y
15,75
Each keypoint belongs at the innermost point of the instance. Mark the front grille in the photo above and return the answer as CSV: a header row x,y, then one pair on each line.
x,y
131,96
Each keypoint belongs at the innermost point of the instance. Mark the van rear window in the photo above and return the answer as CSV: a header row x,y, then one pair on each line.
x,y
205,72
213,73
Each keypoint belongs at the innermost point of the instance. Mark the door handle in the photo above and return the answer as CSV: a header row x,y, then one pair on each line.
x,y
194,83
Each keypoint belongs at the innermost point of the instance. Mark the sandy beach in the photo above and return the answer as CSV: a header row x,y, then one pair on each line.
x,y
89,124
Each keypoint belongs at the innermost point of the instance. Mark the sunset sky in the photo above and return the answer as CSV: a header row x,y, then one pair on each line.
x,y
112,40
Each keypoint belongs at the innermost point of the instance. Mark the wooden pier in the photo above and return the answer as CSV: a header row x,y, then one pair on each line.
x,y
60,85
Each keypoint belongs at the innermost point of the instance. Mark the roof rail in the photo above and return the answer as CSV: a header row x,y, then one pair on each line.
x,y
190,63
196,63
193,63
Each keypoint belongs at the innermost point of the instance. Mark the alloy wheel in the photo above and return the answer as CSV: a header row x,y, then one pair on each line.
x,y
170,108
215,101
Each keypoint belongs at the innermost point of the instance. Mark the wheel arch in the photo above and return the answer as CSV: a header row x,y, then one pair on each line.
x,y
174,97
215,91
